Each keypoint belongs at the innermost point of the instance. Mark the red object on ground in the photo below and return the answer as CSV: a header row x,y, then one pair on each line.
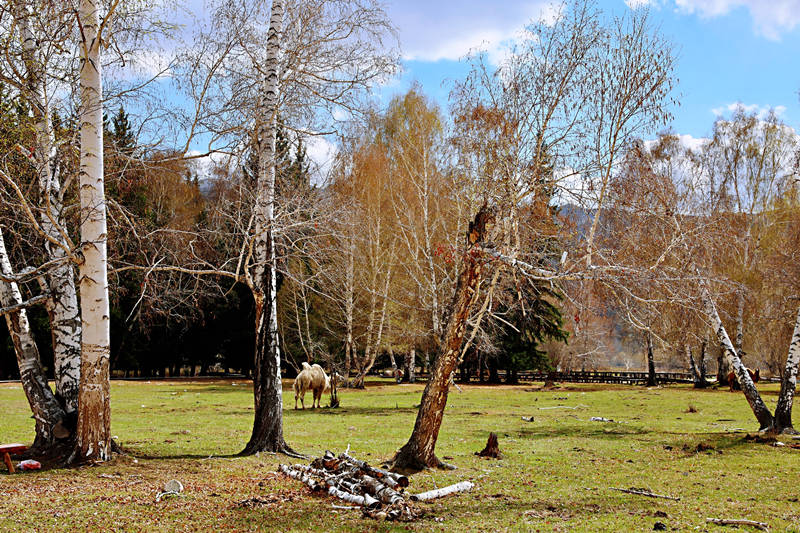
x,y
29,464
7,449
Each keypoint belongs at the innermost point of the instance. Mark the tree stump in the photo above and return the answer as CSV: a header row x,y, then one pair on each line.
x,y
492,449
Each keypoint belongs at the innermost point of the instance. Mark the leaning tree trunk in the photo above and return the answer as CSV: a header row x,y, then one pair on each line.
x,y
419,452
394,365
64,313
757,405
94,409
783,411
47,412
267,388
651,362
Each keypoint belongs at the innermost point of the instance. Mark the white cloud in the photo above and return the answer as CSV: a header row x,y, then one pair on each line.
x,y
771,18
435,31
760,110
321,152
636,4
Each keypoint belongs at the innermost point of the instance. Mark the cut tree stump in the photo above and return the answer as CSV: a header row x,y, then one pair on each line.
x,y
492,448
7,449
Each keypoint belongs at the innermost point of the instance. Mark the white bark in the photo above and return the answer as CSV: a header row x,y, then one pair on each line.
x,y
783,411
444,491
268,425
93,402
46,410
760,410
64,312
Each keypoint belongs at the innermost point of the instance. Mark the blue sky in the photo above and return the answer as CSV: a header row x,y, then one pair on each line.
x,y
729,51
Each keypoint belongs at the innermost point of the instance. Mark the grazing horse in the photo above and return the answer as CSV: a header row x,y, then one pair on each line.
x,y
312,378
733,383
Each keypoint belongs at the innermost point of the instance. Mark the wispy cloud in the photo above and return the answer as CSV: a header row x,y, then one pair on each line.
x,y
760,110
435,31
771,18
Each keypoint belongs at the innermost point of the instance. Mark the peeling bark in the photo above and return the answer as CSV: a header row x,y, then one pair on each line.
x,y
411,363
783,411
64,313
757,405
419,452
47,412
94,409
267,432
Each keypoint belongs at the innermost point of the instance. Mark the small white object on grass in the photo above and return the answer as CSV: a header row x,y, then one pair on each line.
x,y
173,485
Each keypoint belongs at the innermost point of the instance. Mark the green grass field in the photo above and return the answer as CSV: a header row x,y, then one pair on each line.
x,y
556,473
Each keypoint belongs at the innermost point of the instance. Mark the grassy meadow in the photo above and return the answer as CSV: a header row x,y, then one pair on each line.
x,y
556,474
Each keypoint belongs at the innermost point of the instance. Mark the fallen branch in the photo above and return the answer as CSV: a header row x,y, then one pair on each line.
x,y
641,492
364,500
444,491
738,522
391,478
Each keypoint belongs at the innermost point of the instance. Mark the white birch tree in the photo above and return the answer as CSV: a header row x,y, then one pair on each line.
x,y
94,409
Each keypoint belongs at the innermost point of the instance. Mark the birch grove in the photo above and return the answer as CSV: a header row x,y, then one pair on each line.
x,y
543,221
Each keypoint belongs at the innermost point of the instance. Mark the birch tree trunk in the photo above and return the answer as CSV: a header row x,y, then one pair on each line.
x,y
411,363
64,313
267,388
651,362
739,344
692,366
47,412
703,373
373,345
394,365
349,307
757,405
783,411
419,452
722,368
94,410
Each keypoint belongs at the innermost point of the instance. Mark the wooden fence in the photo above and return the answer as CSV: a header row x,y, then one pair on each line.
x,y
621,377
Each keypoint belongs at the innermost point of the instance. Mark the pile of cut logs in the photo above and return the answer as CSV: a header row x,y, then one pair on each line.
x,y
380,494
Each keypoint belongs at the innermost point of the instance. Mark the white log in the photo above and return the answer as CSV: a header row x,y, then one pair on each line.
x,y
738,522
444,491
301,476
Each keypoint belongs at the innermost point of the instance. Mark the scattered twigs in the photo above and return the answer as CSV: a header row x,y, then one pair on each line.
x,y
643,492
378,492
444,491
738,522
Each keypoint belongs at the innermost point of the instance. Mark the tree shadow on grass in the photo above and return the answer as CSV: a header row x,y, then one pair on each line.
x,y
710,443
197,456
344,411
603,430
